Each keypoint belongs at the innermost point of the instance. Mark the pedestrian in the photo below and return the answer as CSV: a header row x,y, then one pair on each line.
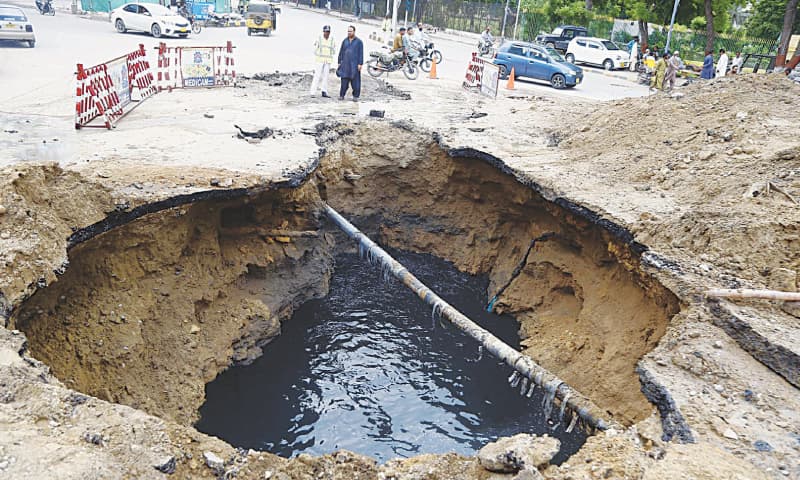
x,y
324,49
660,73
673,66
398,40
738,61
722,63
386,22
634,57
676,57
708,67
351,58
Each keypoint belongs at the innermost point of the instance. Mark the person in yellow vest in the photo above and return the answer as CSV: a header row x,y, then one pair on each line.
x,y
323,50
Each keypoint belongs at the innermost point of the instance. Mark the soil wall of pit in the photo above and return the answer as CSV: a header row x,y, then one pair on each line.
x,y
149,312
587,311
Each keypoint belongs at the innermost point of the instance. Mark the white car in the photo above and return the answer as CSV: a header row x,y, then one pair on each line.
x,y
149,17
596,51
14,25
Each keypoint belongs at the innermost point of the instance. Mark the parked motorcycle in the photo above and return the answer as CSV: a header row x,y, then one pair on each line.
x,y
391,62
45,7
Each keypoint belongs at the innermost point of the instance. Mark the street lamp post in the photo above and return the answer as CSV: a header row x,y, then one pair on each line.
x,y
505,15
516,20
671,24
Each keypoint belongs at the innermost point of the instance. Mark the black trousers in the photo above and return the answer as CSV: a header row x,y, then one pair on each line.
x,y
354,82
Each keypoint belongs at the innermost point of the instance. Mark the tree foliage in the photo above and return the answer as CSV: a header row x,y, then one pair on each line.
x,y
767,19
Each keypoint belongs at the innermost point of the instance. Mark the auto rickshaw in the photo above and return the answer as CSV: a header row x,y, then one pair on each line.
x,y
260,17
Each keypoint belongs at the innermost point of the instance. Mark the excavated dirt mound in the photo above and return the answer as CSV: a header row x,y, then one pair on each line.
x,y
708,152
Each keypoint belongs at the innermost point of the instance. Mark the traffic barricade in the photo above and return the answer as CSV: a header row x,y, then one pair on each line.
x,y
193,67
112,89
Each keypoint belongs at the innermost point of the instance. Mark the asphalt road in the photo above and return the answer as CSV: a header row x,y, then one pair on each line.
x,y
40,80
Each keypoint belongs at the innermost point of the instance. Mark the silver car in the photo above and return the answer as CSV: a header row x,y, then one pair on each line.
x,y
14,25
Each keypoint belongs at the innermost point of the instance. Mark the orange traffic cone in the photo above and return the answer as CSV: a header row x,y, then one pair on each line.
x,y
510,84
432,74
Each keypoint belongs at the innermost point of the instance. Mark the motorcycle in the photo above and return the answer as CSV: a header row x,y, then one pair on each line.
x,y
45,7
486,49
428,55
391,62
195,24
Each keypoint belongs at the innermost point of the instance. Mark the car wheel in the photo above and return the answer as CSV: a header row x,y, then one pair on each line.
x,y
156,30
570,58
503,72
120,26
31,43
550,45
249,32
608,64
558,81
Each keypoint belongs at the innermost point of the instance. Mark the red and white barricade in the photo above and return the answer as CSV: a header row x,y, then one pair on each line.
x,y
482,76
192,67
112,89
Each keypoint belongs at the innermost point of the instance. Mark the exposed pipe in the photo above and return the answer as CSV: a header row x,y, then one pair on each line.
x,y
554,387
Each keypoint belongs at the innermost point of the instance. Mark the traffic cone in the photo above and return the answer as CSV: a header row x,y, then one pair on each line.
x,y
432,74
510,84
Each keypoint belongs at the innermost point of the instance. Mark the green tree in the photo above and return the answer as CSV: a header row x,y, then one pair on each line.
x,y
767,19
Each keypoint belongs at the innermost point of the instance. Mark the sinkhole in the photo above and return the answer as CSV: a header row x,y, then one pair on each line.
x,y
251,317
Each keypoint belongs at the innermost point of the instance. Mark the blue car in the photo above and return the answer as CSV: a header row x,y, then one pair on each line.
x,y
537,62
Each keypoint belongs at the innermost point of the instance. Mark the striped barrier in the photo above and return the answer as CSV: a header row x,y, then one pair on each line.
x,y
107,90
193,67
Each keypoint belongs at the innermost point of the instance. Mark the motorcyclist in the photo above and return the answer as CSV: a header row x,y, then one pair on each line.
x,y
398,40
424,40
411,44
44,6
487,40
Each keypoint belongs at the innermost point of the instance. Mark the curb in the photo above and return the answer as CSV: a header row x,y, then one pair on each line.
x,y
606,74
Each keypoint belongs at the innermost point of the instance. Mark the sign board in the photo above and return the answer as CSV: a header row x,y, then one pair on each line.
x,y
197,67
490,80
118,72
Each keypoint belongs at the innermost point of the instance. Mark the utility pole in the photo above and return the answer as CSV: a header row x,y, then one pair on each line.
x,y
394,17
671,24
516,20
414,11
505,15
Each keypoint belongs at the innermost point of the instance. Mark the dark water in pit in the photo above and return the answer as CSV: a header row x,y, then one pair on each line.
x,y
365,370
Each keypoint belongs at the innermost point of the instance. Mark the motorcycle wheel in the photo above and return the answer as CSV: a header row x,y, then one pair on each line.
x,y
52,11
373,69
196,28
436,55
425,64
411,71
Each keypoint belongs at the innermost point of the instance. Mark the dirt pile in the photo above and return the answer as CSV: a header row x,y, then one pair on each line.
x,y
709,152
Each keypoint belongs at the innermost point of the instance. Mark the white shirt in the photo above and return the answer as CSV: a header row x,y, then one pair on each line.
x,y
486,37
722,65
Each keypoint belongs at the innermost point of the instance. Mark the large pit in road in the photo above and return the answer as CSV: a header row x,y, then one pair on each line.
x,y
149,312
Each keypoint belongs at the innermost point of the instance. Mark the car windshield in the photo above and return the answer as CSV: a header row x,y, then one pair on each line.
x,y
610,45
259,8
555,55
8,14
557,31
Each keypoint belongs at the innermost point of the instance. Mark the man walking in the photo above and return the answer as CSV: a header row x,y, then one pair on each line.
x,y
324,48
351,58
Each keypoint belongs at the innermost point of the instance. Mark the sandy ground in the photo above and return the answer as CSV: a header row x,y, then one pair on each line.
x,y
686,174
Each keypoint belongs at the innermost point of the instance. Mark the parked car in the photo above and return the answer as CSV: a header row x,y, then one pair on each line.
x,y
149,17
537,62
597,51
561,37
14,25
